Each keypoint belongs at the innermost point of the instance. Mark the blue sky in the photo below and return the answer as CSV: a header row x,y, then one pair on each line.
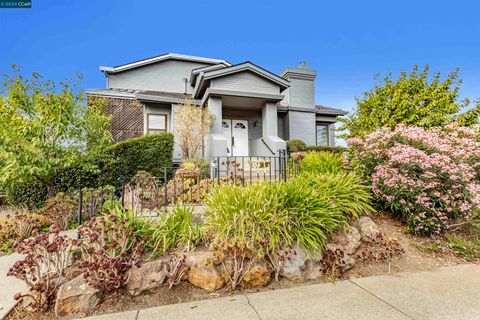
x,y
347,42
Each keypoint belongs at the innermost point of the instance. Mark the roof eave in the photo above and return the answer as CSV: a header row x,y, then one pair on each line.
x,y
245,66
163,57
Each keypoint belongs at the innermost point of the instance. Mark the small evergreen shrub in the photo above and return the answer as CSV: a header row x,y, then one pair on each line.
x,y
30,195
336,149
296,145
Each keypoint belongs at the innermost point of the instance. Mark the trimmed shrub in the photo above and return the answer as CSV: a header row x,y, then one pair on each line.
x,y
321,162
148,153
327,149
30,195
427,178
296,145
77,177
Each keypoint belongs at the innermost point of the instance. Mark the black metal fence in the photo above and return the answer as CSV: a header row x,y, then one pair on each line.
x,y
152,195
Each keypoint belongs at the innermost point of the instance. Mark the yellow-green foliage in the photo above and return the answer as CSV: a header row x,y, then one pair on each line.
x,y
321,162
177,229
268,215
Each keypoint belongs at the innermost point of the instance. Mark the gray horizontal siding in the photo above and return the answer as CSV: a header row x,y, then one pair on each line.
x,y
302,126
245,81
301,93
163,76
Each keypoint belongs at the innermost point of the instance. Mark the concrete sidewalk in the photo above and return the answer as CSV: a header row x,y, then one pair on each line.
x,y
446,293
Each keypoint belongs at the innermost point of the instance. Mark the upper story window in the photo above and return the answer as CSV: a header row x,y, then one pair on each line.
x,y
322,134
156,123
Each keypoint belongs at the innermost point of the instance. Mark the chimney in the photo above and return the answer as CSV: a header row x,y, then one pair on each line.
x,y
301,92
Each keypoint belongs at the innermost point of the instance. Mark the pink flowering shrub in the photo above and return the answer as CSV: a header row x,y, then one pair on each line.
x,y
430,179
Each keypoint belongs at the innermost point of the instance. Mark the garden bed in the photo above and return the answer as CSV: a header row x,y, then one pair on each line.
x,y
413,259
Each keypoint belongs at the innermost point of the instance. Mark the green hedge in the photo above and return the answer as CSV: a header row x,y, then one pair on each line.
x,y
116,166
296,145
30,195
122,160
327,149
77,177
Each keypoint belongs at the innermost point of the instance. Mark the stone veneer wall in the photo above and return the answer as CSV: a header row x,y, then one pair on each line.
x,y
127,118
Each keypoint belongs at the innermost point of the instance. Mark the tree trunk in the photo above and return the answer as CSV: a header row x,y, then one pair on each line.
x,y
50,188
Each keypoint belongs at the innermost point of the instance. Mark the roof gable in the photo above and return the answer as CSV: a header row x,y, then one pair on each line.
x,y
163,57
247,66
208,75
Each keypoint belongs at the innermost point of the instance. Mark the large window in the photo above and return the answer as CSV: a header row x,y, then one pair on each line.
x,y
156,123
322,134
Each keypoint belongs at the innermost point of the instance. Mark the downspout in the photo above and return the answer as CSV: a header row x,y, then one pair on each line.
x,y
185,80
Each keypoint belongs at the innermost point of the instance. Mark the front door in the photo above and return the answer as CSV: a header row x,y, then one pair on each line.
x,y
236,132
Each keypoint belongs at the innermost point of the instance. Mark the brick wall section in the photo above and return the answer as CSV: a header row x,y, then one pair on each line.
x,y
127,118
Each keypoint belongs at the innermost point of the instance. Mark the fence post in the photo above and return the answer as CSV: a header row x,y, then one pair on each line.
x,y
165,187
218,170
284,164
123,195
80,209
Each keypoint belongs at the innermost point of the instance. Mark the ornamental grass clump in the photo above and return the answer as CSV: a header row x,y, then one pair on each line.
x,y
108,250
321,162
430,179
176,230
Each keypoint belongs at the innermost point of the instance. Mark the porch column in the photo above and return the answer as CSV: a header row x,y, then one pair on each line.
x,y
269,119
215,142
270,129
215,108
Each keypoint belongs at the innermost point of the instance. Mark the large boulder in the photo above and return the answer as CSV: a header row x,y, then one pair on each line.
x,y
203,272
313,270
349,241
257,276
294,264
149,276
367,228
76,296
343,261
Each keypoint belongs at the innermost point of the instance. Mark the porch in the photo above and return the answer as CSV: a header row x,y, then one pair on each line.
x,y
244,127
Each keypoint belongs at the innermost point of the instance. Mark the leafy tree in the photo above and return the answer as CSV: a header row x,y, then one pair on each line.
x,y
413,98
192,123
45,128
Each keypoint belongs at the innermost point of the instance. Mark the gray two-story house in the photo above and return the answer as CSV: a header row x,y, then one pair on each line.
x,y
255,110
